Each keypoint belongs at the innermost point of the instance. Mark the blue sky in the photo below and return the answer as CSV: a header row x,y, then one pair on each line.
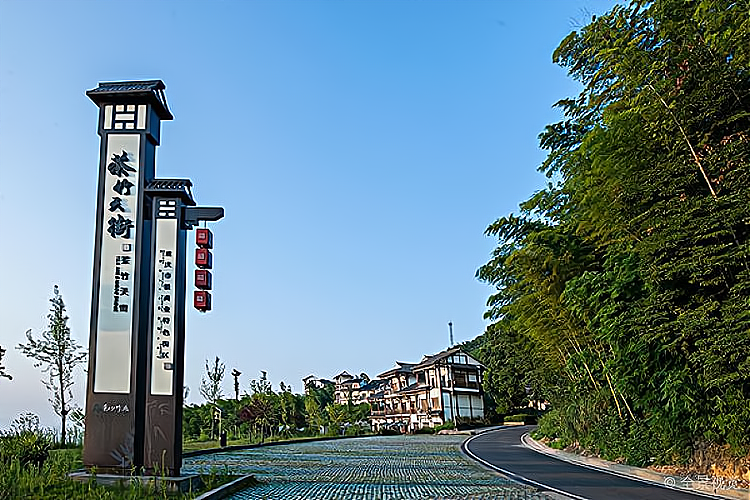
x,y
359,148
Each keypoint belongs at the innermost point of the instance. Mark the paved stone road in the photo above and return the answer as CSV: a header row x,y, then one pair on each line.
x,y
383,468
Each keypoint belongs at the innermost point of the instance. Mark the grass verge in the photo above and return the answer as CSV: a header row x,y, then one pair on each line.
x,y
50,481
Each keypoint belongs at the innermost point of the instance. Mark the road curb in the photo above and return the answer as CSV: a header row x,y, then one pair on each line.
x,y
227,489
636,473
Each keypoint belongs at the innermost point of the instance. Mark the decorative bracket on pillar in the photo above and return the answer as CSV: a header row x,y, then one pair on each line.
x,y
182,188
193,215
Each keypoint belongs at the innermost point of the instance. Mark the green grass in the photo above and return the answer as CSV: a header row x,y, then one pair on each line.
x,y
51,482
526,418
205,445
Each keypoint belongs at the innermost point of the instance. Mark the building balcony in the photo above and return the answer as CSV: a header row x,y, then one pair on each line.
x,y
466,385
390,413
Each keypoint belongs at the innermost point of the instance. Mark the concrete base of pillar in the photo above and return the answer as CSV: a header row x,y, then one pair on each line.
x,y
180,484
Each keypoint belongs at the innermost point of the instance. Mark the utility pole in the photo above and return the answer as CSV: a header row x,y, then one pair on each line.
x,y
450,327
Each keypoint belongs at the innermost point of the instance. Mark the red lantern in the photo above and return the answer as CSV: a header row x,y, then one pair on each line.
x,y
203,258
202,300
203,279
204,238
204,261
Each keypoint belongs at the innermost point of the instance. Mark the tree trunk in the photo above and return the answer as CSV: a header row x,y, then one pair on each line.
x,y
62,434
63,412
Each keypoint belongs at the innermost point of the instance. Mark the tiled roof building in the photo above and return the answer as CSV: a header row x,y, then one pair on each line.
x,y
446,386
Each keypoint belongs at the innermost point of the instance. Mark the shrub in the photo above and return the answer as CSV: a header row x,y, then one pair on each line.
x,y
425,430
332,430
388,432
27,447
354,430
450,425
549,426
522,417
557,444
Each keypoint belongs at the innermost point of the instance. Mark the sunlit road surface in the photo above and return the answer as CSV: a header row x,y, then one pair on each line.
x,y
503,449
393,467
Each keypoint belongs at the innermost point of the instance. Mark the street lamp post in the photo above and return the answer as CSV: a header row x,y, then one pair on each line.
x,y
236,374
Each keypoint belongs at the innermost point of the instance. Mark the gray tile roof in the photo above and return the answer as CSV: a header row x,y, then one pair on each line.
x,y
109,87
150,91
170,187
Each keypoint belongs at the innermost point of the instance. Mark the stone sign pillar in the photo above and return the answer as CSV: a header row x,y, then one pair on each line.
x,y
130,116
165,350
137,335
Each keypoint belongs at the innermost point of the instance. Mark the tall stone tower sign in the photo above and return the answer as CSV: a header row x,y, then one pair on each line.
x,y
137,332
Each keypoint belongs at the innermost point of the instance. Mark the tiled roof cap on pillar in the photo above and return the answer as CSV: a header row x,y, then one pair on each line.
x,y
150,90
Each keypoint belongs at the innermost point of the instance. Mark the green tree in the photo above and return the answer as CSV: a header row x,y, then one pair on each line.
x,y
262,385
291,410
337,414
313,414
196,421
58,354
322,395
509,360
358,413
629,274
317,399
3,373
210,387
230,421
261,412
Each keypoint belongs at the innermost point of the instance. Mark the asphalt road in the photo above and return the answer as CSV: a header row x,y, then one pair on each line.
x,y
503,450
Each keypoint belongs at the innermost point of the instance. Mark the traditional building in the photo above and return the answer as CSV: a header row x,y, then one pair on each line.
x,y
443,387
346,387
371,388
317,383
349,388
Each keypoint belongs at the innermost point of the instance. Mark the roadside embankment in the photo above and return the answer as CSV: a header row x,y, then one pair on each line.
x,y
717,487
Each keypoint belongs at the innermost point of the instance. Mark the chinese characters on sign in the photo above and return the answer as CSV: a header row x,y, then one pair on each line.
x,y
122,275
164,280
118,265
119,165
119,227
163,338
